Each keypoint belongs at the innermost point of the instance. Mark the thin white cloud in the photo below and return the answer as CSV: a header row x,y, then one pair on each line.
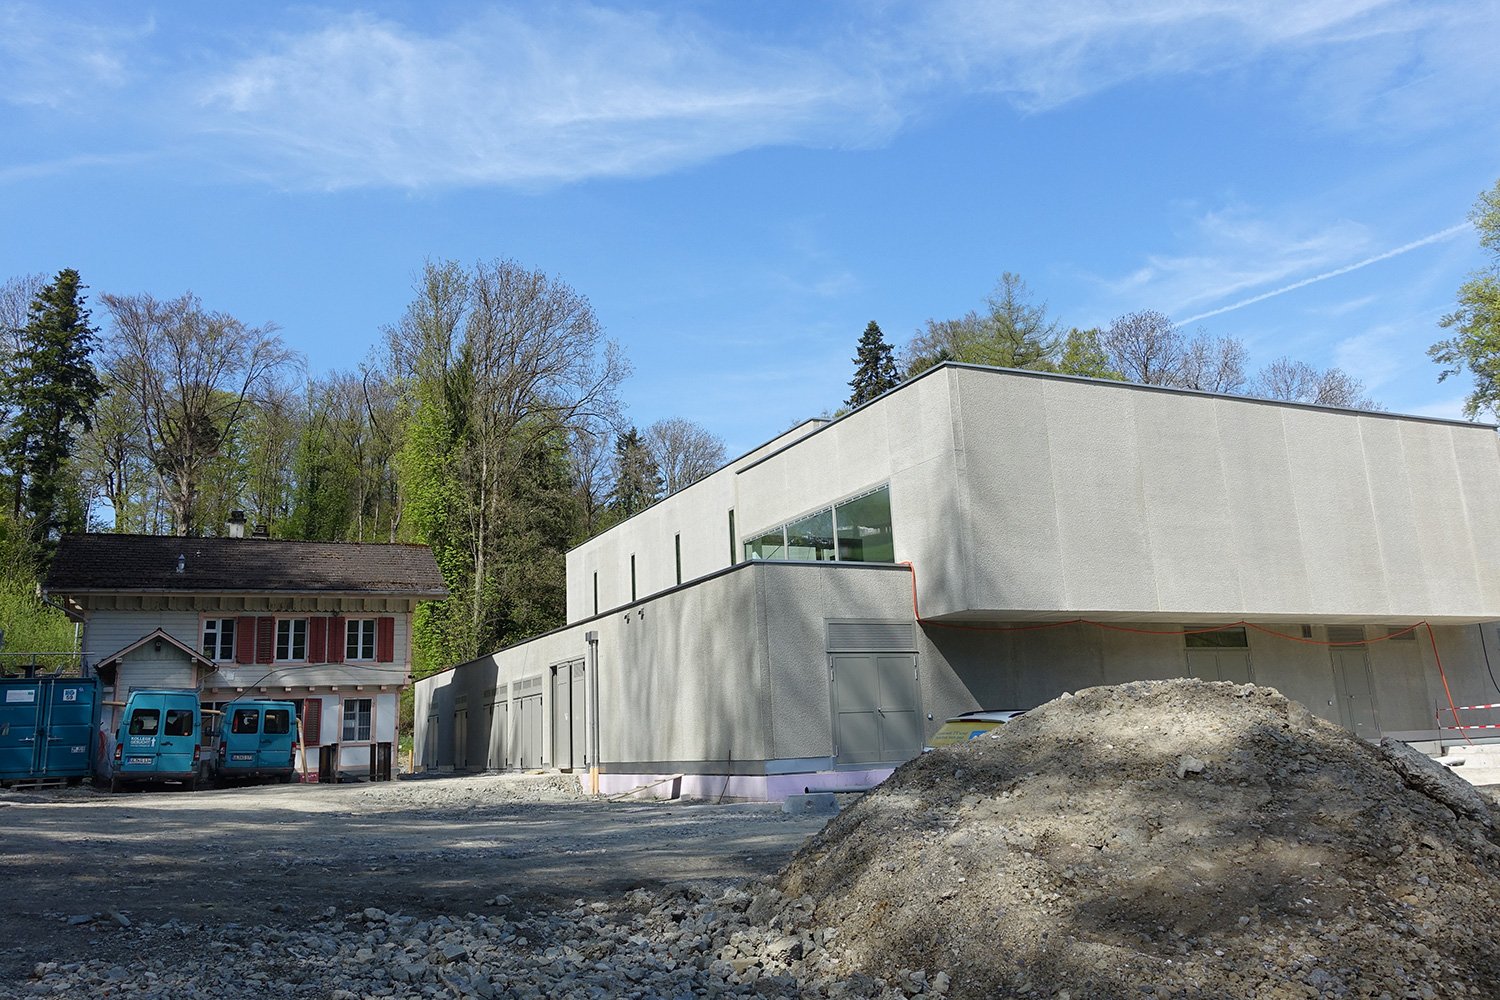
x,y
1440,235
514,101
534,95
51,61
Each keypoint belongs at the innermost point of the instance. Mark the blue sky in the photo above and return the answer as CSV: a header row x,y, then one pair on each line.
x,y
739,188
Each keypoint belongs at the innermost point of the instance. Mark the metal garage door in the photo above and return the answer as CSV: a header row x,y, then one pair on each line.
x,y
562,717
496,755
527,732
876,707
580,715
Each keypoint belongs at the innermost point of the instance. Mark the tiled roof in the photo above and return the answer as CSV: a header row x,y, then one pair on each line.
x,y
123,563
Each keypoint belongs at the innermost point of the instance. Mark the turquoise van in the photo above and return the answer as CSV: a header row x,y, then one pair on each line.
x,y
257,739
160,739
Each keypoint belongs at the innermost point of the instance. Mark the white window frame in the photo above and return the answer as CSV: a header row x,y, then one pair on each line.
x,y
358,630
350,717
224,629
286,639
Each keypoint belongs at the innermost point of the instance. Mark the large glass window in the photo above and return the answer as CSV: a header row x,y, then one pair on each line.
x,y
811,538
357,720
865,528
771,545
857,530
291,639
218,638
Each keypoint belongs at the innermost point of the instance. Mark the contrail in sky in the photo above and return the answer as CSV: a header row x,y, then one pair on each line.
x,y
1451,231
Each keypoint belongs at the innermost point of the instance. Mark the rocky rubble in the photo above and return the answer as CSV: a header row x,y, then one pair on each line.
x,y
687,944
1166,838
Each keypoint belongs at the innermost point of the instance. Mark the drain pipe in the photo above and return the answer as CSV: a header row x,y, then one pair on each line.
x,y
593,711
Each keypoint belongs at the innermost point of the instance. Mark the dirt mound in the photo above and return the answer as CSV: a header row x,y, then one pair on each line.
x,y
1166,838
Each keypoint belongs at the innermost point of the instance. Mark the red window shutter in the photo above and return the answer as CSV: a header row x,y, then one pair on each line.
x,y
385,639
317,639
312,722
244,640
265,640
336,640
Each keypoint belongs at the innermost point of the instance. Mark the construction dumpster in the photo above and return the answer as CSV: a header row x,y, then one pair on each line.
x,y
48,728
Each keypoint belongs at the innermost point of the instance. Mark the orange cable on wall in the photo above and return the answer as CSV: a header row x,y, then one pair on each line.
x,y
967,627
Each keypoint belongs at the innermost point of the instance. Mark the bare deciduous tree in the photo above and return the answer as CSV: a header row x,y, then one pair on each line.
x,y
1300,382
1145,347
1213,364
193,374
684,452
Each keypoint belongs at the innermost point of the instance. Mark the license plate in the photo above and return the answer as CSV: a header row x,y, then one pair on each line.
x,y
138,760
242,756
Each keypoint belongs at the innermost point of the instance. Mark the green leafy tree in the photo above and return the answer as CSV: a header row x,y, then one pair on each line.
x,y
1475,344
27,626
637,479
876,367
1083,354
52,386
1013,333
499,366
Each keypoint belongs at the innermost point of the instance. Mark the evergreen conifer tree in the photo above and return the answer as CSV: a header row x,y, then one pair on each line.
x,y
637,480
52,386
877,367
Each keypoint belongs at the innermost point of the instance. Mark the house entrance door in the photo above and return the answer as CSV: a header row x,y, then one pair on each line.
x,y
877,717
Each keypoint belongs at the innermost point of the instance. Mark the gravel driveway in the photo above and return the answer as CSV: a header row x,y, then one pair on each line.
x,y
79,865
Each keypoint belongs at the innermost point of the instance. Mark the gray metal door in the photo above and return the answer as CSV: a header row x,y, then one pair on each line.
x,y
430,749
580,715
499,713
1220,665
562,717
461,739
876,708
528,732
1351,681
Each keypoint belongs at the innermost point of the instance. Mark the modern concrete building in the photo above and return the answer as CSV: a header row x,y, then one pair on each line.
x,y
985,538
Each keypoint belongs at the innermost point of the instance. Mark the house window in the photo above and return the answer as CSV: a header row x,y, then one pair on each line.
x,y
359,639
677,549
734,550
632,578
357,720
291,638
596,593
218,638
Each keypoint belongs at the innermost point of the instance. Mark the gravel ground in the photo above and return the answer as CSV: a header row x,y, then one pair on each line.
x,y
1158,839
366,890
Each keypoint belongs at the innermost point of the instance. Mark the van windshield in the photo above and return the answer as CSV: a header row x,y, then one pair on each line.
x,y
179,722
144,722
245,721
278,721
